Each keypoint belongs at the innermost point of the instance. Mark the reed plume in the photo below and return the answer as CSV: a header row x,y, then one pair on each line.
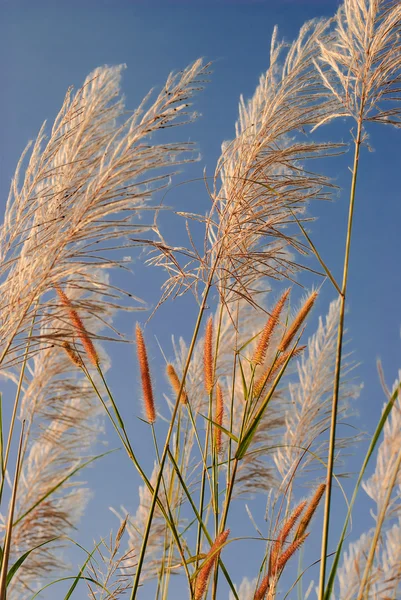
x,y
81,192
147,388
310,397
211,559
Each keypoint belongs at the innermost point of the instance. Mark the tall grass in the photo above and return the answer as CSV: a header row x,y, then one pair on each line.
x,y
251,404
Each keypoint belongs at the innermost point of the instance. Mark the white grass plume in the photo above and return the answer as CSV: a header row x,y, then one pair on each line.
x,y
82,191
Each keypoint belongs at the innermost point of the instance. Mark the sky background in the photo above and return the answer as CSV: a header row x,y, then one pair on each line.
x,y
47,46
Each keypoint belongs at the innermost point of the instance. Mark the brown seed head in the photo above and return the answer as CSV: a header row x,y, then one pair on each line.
x,y
284,533
310,511
147,389
74,356
219,417
208,356
292,548
262,590
297,322
176,383
271,371
211,559
260,352
79,327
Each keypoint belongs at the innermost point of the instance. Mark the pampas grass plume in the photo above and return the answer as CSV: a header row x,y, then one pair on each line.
x,y
146,381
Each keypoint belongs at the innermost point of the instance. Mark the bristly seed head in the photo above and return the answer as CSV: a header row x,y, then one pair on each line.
x,y
297,322
208,356
218,417
263,344
310,511
73,356
176,383
210,561
79,327
146,381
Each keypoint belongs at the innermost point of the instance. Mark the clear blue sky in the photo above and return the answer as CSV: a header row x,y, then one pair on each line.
x,y
45,46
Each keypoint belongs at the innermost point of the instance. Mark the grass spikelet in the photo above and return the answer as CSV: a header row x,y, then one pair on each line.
x,y
261,349
79,327
176,383
219,417
208,356
211,559
285,557
272,371
310,511
146,381
262,590
72,354
284,533
297,322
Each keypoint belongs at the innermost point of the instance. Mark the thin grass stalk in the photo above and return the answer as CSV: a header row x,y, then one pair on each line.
x,y
337,373
207,437
167,442
7,541
202,524
15,407
169,509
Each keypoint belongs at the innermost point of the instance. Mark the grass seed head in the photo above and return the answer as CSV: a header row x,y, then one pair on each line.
x,y
176,383
263,344
208,356
297,322
146,381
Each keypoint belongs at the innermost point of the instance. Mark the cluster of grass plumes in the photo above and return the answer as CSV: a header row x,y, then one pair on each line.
x,y
251,405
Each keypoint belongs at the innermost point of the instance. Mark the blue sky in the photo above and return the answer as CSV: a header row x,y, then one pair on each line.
x,y
47,46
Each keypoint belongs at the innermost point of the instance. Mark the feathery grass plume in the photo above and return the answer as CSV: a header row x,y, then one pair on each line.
x,y
379,563
310,401
297,322
362,61
176,383
260,182
260,350
212,557
310,511
245,589
147,388
81,192
208,356
218,417
79,327
111,568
